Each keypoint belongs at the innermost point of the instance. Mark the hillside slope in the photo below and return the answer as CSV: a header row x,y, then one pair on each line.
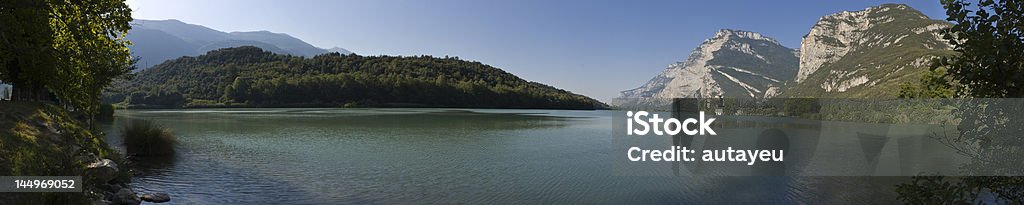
x,y
45,140
251,77
867,53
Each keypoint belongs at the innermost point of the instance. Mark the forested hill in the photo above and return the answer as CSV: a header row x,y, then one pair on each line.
x,y
250,77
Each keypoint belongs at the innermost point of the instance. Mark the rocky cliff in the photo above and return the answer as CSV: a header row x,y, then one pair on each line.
x,y
866,53
732,63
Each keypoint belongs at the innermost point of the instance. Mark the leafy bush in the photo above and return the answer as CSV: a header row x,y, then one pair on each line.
x,y
106,112
801,106
145,138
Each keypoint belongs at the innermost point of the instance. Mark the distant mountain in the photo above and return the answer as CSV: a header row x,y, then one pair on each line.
x,y
732,63
251,77
338,50
155,41
858,54
290,44
867,53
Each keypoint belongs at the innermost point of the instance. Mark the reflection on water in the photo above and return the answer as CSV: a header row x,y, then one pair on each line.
x,y
332,156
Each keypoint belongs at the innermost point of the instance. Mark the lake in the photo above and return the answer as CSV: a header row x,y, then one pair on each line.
x,y
471,156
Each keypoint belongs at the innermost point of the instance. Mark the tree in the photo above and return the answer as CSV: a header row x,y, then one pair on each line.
x,y
935,83
989,63
249,76
72,48
90,49
990,48
26,52
239,89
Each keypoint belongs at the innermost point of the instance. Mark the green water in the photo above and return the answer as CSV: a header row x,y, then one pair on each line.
x,y
472,156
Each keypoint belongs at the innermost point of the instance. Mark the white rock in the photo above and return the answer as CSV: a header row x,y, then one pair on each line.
x,y
696,76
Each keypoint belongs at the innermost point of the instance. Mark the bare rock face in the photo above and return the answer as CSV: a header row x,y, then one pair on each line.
x,y
866,53
833,36
732,63
848,52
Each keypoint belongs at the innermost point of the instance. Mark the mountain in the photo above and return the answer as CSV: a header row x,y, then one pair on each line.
x,y
290,44
338,50
732,63
867,53
155,41
252,77
851,54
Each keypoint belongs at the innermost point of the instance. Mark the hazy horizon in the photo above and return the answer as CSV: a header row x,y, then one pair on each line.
x,y
598,49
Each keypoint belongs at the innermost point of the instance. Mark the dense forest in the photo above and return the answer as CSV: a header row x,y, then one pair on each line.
x,y
250,77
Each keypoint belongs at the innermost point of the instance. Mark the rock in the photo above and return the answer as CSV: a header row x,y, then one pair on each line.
x,y
858,53
112,188
126,196
732,63
102,170
102,202
156,197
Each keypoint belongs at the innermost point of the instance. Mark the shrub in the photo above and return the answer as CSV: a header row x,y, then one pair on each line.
x,y
106,112
145,138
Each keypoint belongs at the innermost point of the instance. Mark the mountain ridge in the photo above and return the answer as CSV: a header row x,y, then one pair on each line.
x,y
867,53
155,41
850,54
248,76
733,63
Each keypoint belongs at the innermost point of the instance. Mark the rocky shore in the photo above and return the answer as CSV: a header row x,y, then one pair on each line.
x,y
38,139
105,172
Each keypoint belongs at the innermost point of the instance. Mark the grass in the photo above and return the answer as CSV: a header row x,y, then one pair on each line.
x,y
44,140
145,138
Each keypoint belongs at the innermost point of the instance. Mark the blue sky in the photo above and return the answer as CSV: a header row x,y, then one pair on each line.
x,y
595,48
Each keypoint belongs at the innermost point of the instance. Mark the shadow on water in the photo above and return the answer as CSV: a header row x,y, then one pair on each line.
x,y
466,119
255,121
771,139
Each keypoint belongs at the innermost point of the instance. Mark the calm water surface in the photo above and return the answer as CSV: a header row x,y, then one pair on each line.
x,y
386,156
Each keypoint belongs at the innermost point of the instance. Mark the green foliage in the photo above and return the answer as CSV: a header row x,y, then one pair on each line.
x,y
73,49
934,190
989,42
801,107
933,84
90,49
158,98
989,63
44,140
249,76
962,190
106,112
891,111
147,139
26,55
